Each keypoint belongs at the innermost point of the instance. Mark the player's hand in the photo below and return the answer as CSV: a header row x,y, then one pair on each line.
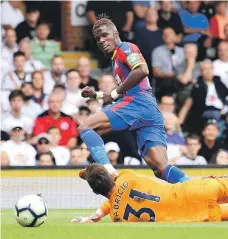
x,y
81,220
107,99
88,92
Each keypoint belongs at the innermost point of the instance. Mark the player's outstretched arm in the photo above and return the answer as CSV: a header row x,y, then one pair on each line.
x,y
103,211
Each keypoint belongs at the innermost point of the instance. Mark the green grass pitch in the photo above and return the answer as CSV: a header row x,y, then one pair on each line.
x,y
58,226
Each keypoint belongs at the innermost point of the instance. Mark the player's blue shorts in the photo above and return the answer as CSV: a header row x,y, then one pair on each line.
x,y
139,113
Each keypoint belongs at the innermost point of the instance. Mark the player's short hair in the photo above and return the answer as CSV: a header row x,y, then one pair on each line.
x,y
16,93
99,179
18,53
103,20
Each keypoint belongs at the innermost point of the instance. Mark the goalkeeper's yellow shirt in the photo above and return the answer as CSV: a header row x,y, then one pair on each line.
x,y
139,198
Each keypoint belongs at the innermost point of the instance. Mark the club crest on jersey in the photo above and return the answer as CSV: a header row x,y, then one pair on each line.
x,y
133,59
64,126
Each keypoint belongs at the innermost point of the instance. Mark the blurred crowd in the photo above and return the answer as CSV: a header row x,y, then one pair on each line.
x,y
185,44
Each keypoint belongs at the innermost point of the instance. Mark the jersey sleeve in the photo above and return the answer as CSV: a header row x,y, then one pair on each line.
x,y
105,208
131,55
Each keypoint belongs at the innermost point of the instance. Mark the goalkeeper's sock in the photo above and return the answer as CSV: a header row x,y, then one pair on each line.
x,y
173,174
95,145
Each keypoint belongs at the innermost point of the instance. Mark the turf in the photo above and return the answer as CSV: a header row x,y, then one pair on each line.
x,y
58,226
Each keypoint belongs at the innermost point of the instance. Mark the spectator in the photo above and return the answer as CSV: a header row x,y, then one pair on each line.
x,y
221,157
67,107
191,156
14,79
84,70
9,47
167,18
207,100
175,141
226,32
207,8
167,103
46,159
38,85
165,61
106,84
210,143
11,15
85,153
195,23
4,159
43,144
76,157
42,48
113,151
140,10
144,35
94,106
19,153
83,114
61,154
30,108
207,48
220,66
219,21
27,27
56,76
31,64
4,137
54,117
188,72
73,92
15,117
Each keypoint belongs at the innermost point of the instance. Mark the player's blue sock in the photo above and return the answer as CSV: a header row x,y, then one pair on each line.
x,y
95,145
173,174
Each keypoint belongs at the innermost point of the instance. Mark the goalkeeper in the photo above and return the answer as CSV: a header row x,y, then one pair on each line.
x,y
137,198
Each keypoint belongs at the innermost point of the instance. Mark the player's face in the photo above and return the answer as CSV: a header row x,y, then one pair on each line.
x,y
106,39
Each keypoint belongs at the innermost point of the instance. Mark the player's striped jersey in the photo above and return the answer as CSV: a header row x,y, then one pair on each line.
x,y
127,57
139,198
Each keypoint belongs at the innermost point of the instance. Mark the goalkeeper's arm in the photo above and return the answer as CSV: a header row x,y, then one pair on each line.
x,y
103,211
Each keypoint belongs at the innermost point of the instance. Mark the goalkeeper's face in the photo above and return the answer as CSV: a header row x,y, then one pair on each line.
x,y
99,179
106,38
